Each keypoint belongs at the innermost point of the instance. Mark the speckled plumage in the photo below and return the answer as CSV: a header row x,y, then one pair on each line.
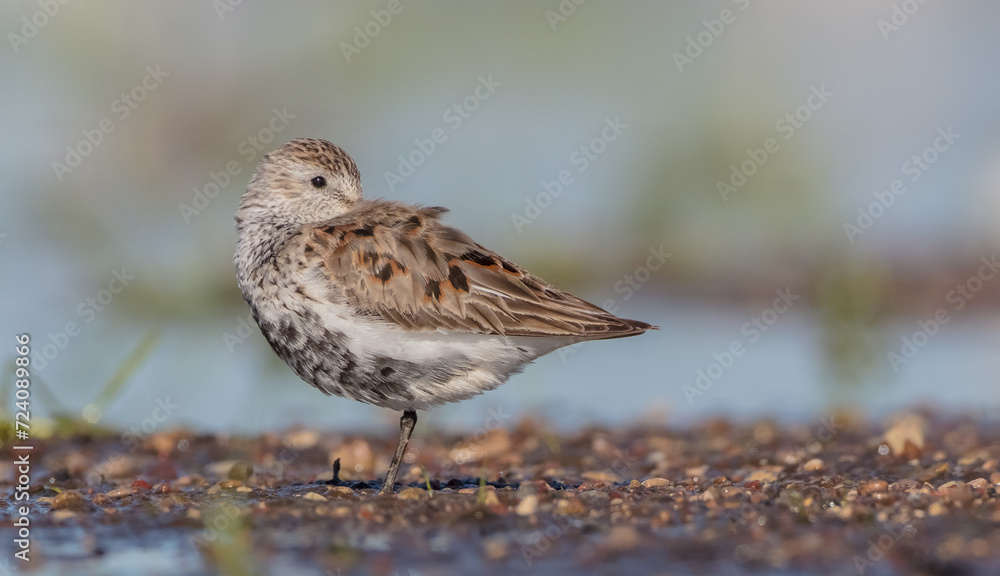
x,y
379,301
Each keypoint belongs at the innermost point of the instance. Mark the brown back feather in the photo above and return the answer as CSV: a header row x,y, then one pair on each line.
x,y
401,263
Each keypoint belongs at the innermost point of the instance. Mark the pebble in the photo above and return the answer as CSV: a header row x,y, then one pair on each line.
x,y
302,439
906,437
813,465
696,472
588,485
622,538
764,474
342,512
599,476
572,507
957,492
732,491
119,466
495,547
187,481
495,443
119,493
935,471
872,487
883,497
67,499
655,483
979,486
241,470
162,443
356,457
864,490
967,461
224,485
412,493
710,496
527,506
537,486
219,469
491,498
340,491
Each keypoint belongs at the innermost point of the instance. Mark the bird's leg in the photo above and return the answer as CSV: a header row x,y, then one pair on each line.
x,y
406,425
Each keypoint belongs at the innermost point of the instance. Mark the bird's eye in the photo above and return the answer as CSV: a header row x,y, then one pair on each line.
x,y
319,182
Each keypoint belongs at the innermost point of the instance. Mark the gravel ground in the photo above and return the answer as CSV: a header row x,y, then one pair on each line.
x,y
914,495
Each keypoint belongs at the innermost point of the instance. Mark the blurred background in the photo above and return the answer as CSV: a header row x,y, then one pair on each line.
x,y
805,197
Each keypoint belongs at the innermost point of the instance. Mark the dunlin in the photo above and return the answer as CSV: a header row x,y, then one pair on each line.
x,y
381,302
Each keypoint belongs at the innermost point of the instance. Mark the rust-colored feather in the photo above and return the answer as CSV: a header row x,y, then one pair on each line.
x,y
401,263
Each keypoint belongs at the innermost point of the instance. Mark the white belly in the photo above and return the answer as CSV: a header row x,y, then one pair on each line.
x,y
371,360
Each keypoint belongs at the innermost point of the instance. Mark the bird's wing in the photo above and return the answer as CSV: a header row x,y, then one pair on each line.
x,y
400,263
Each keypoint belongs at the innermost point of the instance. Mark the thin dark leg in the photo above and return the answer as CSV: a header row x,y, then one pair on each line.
x,y
406,425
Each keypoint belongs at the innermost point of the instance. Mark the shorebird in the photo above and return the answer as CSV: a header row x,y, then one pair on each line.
x,y
380,302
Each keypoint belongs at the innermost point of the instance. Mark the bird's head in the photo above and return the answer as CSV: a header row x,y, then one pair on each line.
x,y
305,180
